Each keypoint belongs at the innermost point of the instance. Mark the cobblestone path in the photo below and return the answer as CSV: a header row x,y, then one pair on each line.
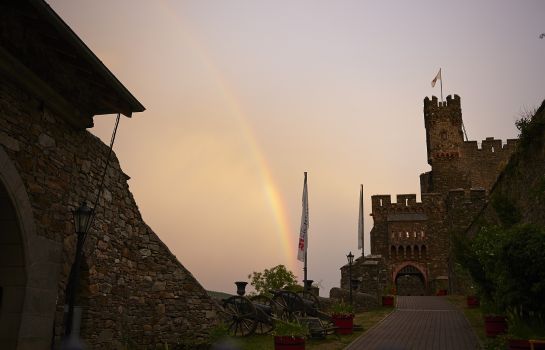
x,y
420,323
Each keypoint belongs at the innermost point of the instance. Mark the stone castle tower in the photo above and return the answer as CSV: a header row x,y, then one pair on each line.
x,y
410,240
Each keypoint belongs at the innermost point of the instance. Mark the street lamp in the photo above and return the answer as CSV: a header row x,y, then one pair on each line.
x,y
83,217
350,258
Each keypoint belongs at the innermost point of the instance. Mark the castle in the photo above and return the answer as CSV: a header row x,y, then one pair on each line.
x,y
410,240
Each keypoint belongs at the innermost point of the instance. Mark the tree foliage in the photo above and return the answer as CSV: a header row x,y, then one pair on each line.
x,y
508,267
278,277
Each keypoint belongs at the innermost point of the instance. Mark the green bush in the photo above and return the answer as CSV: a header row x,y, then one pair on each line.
x,y
508,267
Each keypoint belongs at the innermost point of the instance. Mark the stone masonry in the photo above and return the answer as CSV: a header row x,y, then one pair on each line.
x,y
133,292
411,240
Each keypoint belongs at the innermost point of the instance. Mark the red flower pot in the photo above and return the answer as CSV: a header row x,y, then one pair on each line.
x,y
473,301
288,343
344,323
387,300
523,344
495,325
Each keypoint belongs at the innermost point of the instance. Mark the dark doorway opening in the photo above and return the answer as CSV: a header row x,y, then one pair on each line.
x,y
12,272
410,281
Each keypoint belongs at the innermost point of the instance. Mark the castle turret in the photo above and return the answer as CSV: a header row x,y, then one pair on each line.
x,y
443,121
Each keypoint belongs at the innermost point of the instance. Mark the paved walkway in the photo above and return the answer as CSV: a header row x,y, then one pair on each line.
x,y
420,323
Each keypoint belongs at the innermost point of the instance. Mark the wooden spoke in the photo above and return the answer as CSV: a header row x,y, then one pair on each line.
x,y
241,316
264,307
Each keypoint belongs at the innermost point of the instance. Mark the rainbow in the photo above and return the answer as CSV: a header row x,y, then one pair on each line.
x,y
287,241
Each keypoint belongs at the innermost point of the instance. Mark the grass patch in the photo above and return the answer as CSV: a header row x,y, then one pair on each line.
x,y
366,319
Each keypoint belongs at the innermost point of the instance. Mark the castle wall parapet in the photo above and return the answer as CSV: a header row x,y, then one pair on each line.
x,y
404,202
451,101
490,145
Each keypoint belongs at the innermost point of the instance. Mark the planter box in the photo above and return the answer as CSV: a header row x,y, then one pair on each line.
x,y
343,324
495,325
387,300
473,301
522,344
288,343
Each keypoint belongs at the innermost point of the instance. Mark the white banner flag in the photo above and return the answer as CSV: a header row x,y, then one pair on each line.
x,y
360,222
303,234
437,77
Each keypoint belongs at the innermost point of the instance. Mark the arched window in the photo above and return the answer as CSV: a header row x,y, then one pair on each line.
x,y
393,251
424,250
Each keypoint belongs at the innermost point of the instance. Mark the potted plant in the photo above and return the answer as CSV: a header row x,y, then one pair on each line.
x,y
343,317
473,301
388,295
289,335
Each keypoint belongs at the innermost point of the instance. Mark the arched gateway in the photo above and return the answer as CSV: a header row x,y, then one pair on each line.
x,y
29,268
410,279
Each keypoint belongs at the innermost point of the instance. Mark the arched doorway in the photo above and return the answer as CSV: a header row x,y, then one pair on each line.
x,y
410,280
29,268
12,272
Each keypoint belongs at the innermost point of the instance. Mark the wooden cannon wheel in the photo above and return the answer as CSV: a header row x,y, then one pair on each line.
x,y
241,316
264,320
287,305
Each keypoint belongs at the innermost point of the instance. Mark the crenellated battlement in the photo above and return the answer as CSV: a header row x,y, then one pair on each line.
x,y
404,202
489,145
434,103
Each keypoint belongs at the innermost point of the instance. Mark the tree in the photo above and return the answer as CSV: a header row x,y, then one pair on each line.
x,y
278,277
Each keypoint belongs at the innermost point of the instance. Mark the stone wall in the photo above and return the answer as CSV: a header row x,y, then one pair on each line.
x,y
521,183
134,289
457,163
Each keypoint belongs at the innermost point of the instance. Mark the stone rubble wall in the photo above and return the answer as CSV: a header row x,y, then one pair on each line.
x,y
134,290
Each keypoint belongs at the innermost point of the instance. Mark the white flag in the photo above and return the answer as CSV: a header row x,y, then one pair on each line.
x,y
360,222
303,236
437,77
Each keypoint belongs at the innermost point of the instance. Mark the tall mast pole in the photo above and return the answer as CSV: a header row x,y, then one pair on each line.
x,y
306,240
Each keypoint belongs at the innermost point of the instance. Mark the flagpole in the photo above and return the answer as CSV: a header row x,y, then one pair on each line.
x,y
305,265
441,80
362,222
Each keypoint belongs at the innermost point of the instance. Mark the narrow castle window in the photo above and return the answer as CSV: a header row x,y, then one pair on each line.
x,y
414,234
380,201
492,149
407,234
406,202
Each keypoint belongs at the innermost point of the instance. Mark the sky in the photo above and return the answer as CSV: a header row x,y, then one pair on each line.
x,y
244,96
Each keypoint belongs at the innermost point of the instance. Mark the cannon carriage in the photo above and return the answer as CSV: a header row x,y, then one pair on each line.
x,y
258,314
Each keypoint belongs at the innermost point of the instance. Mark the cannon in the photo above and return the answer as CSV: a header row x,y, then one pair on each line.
x,y
258,314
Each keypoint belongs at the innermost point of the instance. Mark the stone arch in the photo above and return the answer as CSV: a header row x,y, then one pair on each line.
x,y
410,273
41,259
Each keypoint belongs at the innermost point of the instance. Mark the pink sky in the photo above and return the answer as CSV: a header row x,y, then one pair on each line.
x,y
242,97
